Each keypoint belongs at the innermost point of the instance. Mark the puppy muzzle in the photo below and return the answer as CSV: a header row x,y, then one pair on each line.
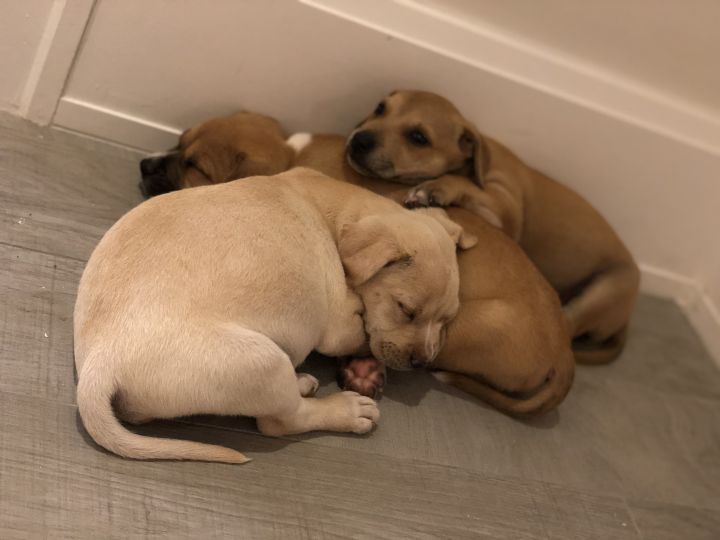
x,y
155,179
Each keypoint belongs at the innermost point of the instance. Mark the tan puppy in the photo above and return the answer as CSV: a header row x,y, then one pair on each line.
x,y
413,136
511,343
508,344
204,301
218,150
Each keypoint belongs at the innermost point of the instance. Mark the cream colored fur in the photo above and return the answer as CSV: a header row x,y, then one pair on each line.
x,y
204,301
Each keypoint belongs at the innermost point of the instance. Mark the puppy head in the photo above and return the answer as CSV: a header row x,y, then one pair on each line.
x,y
404,268
216,151
412,136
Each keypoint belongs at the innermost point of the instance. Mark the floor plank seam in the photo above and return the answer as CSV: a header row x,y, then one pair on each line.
x,y
41,252
630,512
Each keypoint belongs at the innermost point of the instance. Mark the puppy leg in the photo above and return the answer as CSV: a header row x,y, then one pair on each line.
x,y
604,306
453,190
600,313
307,384
345,333
342,411
231,370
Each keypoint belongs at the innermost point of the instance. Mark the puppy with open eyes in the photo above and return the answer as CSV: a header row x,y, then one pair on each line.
x,y
508,344
174,319
421,139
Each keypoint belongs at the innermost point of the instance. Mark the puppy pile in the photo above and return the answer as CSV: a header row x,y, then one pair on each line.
x,y
205,300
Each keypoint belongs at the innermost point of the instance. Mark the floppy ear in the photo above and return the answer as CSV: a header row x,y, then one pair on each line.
x,y
366,247
473,146
463,239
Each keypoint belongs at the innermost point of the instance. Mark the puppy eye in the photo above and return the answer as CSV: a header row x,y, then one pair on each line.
x,y
417,137
409,313
380,109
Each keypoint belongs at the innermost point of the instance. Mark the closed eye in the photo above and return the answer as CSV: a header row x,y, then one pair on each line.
x,y
190,162
408,312
380,109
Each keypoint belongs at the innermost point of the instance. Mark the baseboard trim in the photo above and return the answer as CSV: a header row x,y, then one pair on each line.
x,y
108,124
699,308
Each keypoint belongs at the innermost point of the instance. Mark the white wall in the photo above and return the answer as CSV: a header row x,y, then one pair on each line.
x,y
670,46
646,153
21,28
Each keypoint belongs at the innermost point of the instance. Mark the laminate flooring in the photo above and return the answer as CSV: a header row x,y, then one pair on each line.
x,y
633,452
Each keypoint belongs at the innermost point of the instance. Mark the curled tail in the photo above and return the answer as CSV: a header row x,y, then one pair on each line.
x,y
95,392
544,399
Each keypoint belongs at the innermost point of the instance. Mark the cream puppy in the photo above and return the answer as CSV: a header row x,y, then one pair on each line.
x,y
204,301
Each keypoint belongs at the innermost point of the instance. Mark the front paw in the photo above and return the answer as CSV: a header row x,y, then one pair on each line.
x,y
366,376
430,193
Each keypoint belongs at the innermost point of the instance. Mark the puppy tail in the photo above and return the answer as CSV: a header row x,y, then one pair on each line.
x,y
544,400
600,353
95,392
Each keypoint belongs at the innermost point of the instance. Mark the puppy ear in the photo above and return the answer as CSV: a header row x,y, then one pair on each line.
x,y
473,146
463,239
236,165
223,163
366,247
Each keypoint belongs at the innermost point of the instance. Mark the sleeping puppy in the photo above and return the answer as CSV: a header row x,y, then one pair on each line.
x,y
415,137
174,319
509,343
218,150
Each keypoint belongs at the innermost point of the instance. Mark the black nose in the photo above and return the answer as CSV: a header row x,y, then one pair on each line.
x,y
149,166
418,362
363,142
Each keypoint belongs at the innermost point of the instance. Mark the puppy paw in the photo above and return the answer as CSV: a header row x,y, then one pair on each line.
x,y
430,193
358,414
307,384
366,376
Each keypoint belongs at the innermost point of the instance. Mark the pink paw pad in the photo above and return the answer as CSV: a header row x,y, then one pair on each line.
x,y
366,376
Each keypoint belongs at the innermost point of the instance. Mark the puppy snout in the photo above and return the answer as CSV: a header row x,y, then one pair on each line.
x,y
150,166
419,361
362,143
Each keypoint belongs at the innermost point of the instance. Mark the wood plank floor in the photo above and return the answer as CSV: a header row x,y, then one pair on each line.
x,y
634,452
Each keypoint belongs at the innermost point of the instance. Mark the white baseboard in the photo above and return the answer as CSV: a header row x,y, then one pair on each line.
x,y
135,132
699,308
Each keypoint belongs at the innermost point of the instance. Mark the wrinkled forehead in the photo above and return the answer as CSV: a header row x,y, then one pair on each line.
x,y
405,102
432,282
233,130
436,114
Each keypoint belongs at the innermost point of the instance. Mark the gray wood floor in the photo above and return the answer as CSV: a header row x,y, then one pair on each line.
x,y
634,452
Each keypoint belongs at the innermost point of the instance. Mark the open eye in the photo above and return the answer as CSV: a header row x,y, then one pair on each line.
x,y
417,137
409,313
380,109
